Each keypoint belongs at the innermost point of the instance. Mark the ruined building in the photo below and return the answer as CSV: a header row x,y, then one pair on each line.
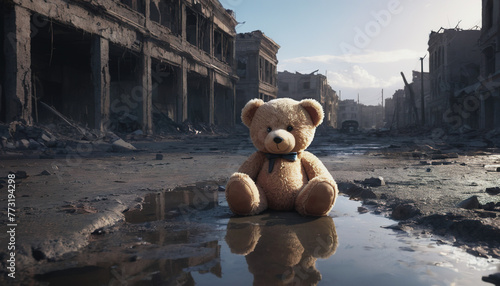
x,y
348,110
118,64
300,86
454,59
487,90
256,68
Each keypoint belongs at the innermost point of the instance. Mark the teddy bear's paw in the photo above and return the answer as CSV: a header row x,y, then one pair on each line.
x,y
243,196
317,198
320,200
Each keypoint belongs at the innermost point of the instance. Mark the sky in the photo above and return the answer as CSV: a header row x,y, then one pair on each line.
x,y
360,45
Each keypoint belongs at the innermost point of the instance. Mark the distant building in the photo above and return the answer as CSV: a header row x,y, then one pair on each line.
x,y
301,86
401,110
348,110
256,63
454,58
370,116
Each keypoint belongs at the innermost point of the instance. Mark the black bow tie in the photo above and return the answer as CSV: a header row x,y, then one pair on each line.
x,y
272,157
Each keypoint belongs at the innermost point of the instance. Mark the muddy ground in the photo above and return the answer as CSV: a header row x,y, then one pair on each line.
x,y
66,194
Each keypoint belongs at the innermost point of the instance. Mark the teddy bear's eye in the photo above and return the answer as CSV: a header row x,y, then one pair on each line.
x,y
269,129
289,128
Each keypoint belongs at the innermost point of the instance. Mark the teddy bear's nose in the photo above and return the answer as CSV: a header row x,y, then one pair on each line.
x,y
278,140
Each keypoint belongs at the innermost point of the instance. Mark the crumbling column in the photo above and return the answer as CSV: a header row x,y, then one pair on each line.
x,y
182,93
147,87
211,97
17,49
100,81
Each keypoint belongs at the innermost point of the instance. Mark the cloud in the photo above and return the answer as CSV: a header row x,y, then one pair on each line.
x,y
357,77
369,56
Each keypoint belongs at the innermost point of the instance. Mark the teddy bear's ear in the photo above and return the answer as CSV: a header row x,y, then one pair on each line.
x,y
314,109
249,111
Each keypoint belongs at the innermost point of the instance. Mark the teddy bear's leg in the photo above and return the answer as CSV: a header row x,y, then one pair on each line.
x,y
317,197
243,196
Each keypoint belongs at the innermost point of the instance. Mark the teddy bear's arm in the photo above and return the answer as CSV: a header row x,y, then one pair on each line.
x,y
253,165
314,167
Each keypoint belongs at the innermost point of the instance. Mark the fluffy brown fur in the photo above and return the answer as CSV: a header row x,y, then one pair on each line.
x,y
304,184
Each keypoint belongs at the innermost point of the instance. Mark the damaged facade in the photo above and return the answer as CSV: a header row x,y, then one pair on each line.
x,y
118,64
453,65
301,86
256,68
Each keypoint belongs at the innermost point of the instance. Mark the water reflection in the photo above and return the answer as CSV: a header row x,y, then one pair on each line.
x,y
282,248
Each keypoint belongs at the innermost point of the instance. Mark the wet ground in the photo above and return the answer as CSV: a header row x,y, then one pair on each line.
x,y
98,218
187,237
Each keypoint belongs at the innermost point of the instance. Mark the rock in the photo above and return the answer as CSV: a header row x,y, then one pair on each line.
x,y
20,174
405,211
374,182
33,145
159,156
425,162
470,203
22,144
492,278
121,146
44,173
360,193
3,142
493,191
137,132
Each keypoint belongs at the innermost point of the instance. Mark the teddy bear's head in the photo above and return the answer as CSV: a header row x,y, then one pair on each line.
x,y
282,125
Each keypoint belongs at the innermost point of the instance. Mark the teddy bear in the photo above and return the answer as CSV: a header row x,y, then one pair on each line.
x,y
281,175
281,248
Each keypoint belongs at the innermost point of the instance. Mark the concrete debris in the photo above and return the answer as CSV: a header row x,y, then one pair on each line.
x,y
357,192
374,182
20,174
493,191
470,203
121,146
405,211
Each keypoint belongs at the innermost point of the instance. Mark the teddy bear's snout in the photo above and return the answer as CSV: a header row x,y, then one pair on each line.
x,y
278,140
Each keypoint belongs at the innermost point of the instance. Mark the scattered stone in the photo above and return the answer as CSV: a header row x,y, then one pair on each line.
x,y
356,192
159,156
492,168
404,211
435,163
425,162
428,170
439,156
493,191
23,144
374,182
493,278
221,188
121,146
186,158
362,210
34,145
463,164
470,203
44,173
20,174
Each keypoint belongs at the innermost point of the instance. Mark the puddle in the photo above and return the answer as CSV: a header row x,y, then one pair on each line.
x,y
188,236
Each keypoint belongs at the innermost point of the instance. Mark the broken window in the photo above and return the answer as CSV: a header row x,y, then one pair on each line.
x,y
489,58
241,68
191,27
166,13
218,45
137,5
